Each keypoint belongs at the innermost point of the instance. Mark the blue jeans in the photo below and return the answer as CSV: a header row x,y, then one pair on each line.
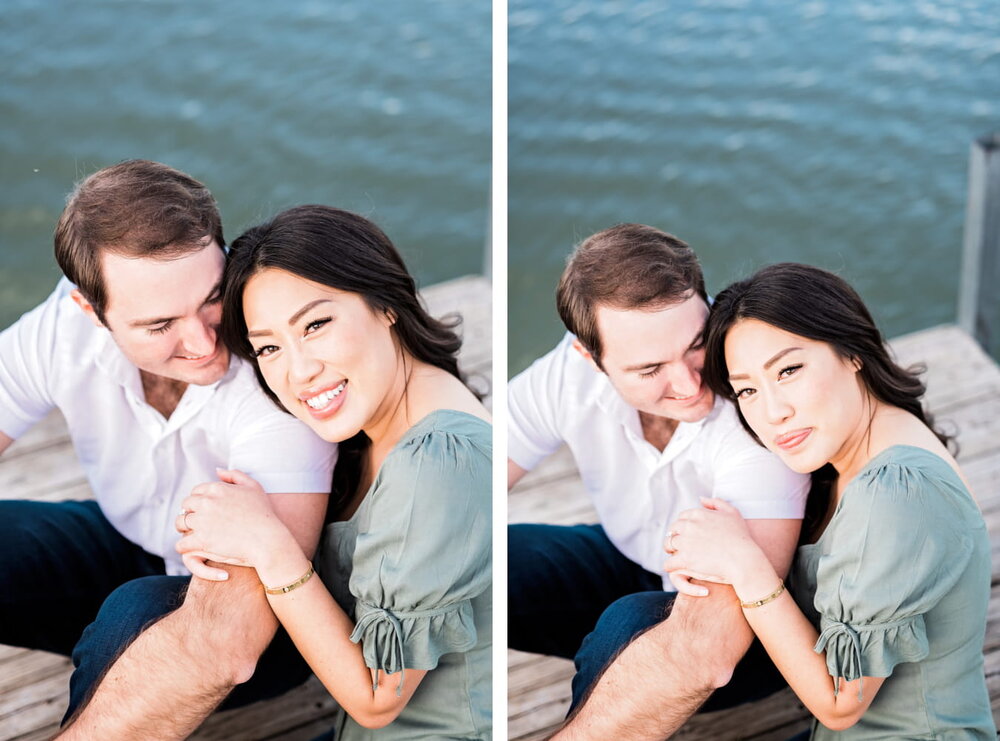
x,y
72,584
571,593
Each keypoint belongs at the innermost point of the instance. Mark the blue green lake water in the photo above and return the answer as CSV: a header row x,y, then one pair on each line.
x,y
382,108
832,133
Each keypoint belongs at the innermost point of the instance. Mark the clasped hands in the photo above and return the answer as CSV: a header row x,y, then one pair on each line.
x,y
710,544
229,521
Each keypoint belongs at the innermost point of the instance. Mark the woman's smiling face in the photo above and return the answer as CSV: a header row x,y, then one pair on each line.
x,y
804,401
330,360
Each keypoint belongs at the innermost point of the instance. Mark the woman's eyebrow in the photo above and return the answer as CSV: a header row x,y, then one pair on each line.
x,y
774,359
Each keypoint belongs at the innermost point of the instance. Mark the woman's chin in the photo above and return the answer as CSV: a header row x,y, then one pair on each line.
x,y
333,430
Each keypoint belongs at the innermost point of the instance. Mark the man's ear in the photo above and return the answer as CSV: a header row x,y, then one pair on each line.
x,y
85,306
578,346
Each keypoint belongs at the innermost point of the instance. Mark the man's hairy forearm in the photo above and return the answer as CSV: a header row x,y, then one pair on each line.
x,y
663,676
178,670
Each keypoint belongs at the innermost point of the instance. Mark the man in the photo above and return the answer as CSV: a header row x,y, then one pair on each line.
x,y
624,392
127,348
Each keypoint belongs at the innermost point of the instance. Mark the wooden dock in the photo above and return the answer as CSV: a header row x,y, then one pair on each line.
x,y
34,685
963,394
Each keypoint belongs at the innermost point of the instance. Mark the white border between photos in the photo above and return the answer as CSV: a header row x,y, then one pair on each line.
x,y
498,240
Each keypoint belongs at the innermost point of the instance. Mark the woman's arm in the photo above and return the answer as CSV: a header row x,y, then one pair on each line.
x,y
715,543
233,522
789,639
321,631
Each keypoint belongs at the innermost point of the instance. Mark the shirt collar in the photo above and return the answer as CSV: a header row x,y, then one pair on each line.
x,y
113,363
607,398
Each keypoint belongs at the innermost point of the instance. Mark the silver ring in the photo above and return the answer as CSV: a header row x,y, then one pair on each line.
x,y
185,520
670,542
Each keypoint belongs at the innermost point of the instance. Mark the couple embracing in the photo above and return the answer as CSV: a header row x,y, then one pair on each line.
x,y
208,391
776,507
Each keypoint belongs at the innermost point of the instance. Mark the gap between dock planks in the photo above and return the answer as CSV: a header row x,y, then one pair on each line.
x,y
964,396
41,465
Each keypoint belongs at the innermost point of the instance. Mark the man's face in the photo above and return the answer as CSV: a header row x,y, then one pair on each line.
x,y
649,359
165,314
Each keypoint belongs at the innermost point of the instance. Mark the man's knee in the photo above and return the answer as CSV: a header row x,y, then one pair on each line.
x,y
702,626
236,619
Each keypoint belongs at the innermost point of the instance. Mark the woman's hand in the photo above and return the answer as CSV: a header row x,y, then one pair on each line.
x,y
711,544
228,521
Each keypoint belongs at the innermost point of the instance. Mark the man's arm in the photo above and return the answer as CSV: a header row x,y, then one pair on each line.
x,y
660,679
514,474
177,671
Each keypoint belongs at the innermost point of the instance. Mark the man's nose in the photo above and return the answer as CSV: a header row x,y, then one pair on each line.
x,y
684,380
200,337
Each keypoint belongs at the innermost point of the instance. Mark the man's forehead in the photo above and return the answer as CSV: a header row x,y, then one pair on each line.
x,y
152,285
627,334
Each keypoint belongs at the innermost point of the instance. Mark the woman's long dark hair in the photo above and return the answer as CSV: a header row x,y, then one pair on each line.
x,y
345,251
816,304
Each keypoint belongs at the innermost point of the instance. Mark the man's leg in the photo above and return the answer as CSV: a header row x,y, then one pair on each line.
x,y
624,619
755,677
178,670
666,673
125,613
59,562
559,581
135,606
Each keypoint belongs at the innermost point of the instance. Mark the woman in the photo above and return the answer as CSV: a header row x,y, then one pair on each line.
x,y
398,626
884,636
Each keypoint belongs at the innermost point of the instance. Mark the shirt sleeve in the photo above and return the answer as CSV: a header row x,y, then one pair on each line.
x,y
756,482
27,349
277,450
533,398
423,553
896,552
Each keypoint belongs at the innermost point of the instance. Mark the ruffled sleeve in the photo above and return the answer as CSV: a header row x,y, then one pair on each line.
x,y
423,552
897,549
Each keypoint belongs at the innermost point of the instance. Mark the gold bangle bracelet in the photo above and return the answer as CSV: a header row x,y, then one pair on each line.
x,y
294,585
769,598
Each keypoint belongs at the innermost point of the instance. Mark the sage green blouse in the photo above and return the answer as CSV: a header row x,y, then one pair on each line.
x,y
898,585
413,568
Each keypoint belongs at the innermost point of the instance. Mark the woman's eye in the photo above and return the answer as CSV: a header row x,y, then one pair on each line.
x,y
316,324
162,328
789,371
651,373
744,393
264,351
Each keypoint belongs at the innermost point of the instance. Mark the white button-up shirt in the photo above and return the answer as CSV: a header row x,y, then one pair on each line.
x,y
140,465
636,489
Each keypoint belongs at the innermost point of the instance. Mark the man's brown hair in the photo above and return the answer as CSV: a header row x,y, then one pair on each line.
x,y
138,209
629,266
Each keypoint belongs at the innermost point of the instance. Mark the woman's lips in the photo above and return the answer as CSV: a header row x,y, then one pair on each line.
x,y
791,440
327,402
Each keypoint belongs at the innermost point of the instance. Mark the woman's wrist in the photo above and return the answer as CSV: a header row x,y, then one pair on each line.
x,y
757,578
282,562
